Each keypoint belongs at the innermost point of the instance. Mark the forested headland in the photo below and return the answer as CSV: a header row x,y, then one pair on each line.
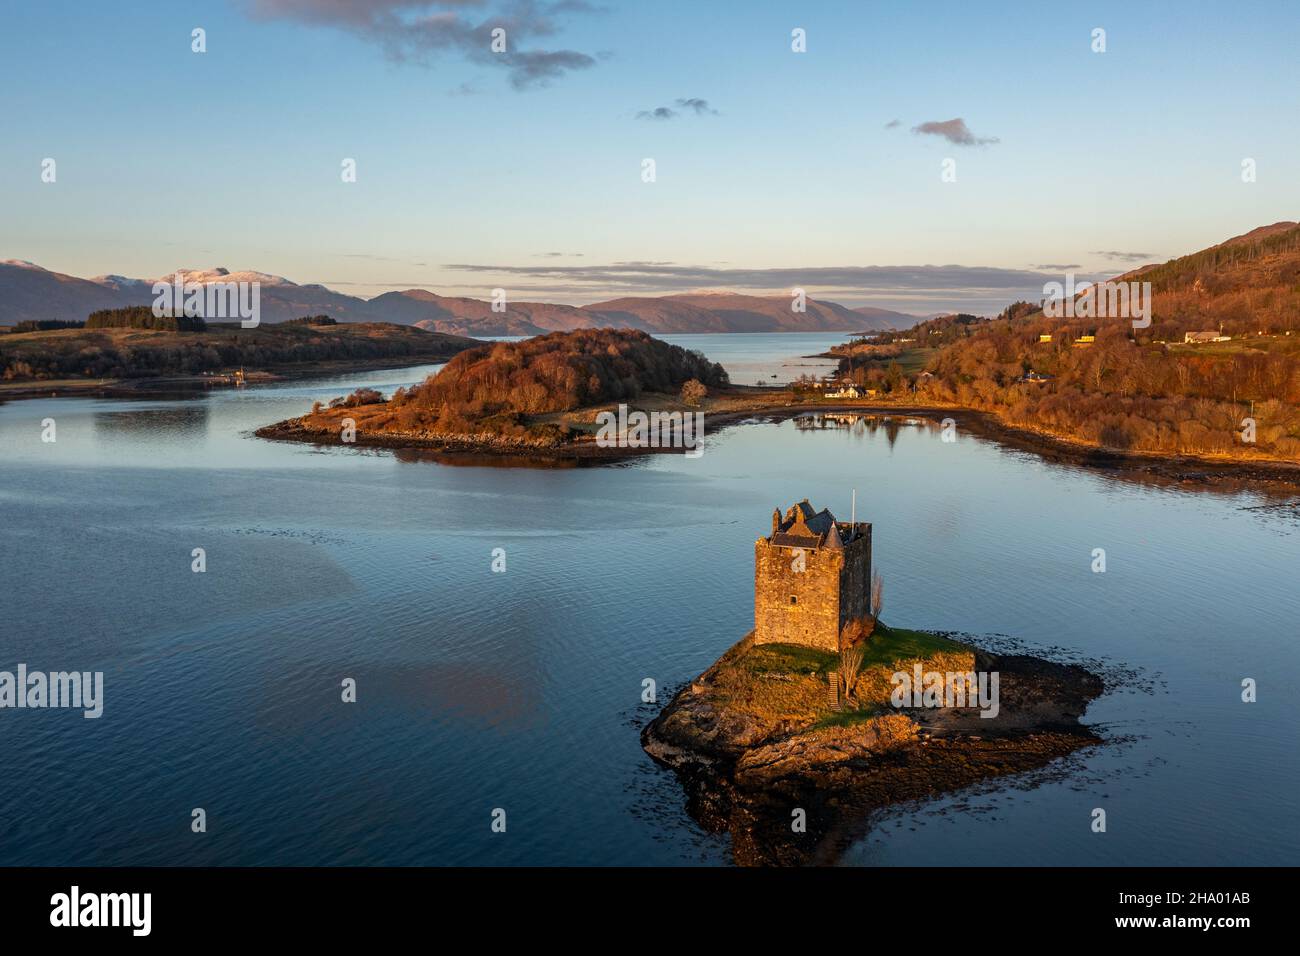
x,y
1103,382
123,350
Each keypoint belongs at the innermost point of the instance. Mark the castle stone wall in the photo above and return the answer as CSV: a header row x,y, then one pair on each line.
x,y
833,588
855,579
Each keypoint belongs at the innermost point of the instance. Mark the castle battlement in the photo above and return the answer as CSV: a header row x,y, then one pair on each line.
x,y
812,576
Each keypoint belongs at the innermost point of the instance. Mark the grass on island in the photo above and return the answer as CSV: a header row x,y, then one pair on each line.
x,y
887,646
786,684
849,716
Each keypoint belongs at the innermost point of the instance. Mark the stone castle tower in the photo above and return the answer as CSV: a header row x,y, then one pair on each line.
x,y
811,577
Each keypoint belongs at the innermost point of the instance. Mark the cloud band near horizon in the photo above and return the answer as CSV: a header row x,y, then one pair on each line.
x,y
928,288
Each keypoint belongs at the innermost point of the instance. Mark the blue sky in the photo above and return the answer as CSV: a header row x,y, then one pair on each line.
x,y
169,159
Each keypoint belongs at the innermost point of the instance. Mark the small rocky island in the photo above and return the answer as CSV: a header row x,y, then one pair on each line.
x,y
823,715
541,397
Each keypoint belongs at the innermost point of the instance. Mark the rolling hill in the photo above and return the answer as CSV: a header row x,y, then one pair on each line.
x,y
731,312
1101,383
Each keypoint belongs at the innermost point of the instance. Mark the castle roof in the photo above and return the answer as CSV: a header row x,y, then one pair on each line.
x,y
803,527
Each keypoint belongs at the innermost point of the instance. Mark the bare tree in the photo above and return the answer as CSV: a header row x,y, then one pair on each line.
x,y
877,595
850,665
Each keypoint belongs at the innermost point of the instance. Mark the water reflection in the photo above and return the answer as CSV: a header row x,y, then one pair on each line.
x,y
860,424
520,689
175,420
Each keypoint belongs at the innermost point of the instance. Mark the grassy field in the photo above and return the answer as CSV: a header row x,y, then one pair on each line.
x,y
914,360
786,685
896,644
911,360
1264,343
55,384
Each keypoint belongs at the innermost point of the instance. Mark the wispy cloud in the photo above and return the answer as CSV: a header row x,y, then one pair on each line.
x,y
1057,267
373,258
954,131
892,124
700,107
420,30
658,113
910,288
1125,256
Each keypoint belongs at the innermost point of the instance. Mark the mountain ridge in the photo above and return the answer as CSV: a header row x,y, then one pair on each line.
x,y
31,292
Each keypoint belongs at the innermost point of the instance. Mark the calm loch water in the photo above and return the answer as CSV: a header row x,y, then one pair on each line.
x,y
521,690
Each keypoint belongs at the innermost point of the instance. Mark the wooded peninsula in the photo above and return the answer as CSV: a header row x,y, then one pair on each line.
x,y
122,351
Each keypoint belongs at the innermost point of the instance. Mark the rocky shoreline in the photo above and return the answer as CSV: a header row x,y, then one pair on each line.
x,y
1165,469
746,773
485,444
184,386
1230,474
